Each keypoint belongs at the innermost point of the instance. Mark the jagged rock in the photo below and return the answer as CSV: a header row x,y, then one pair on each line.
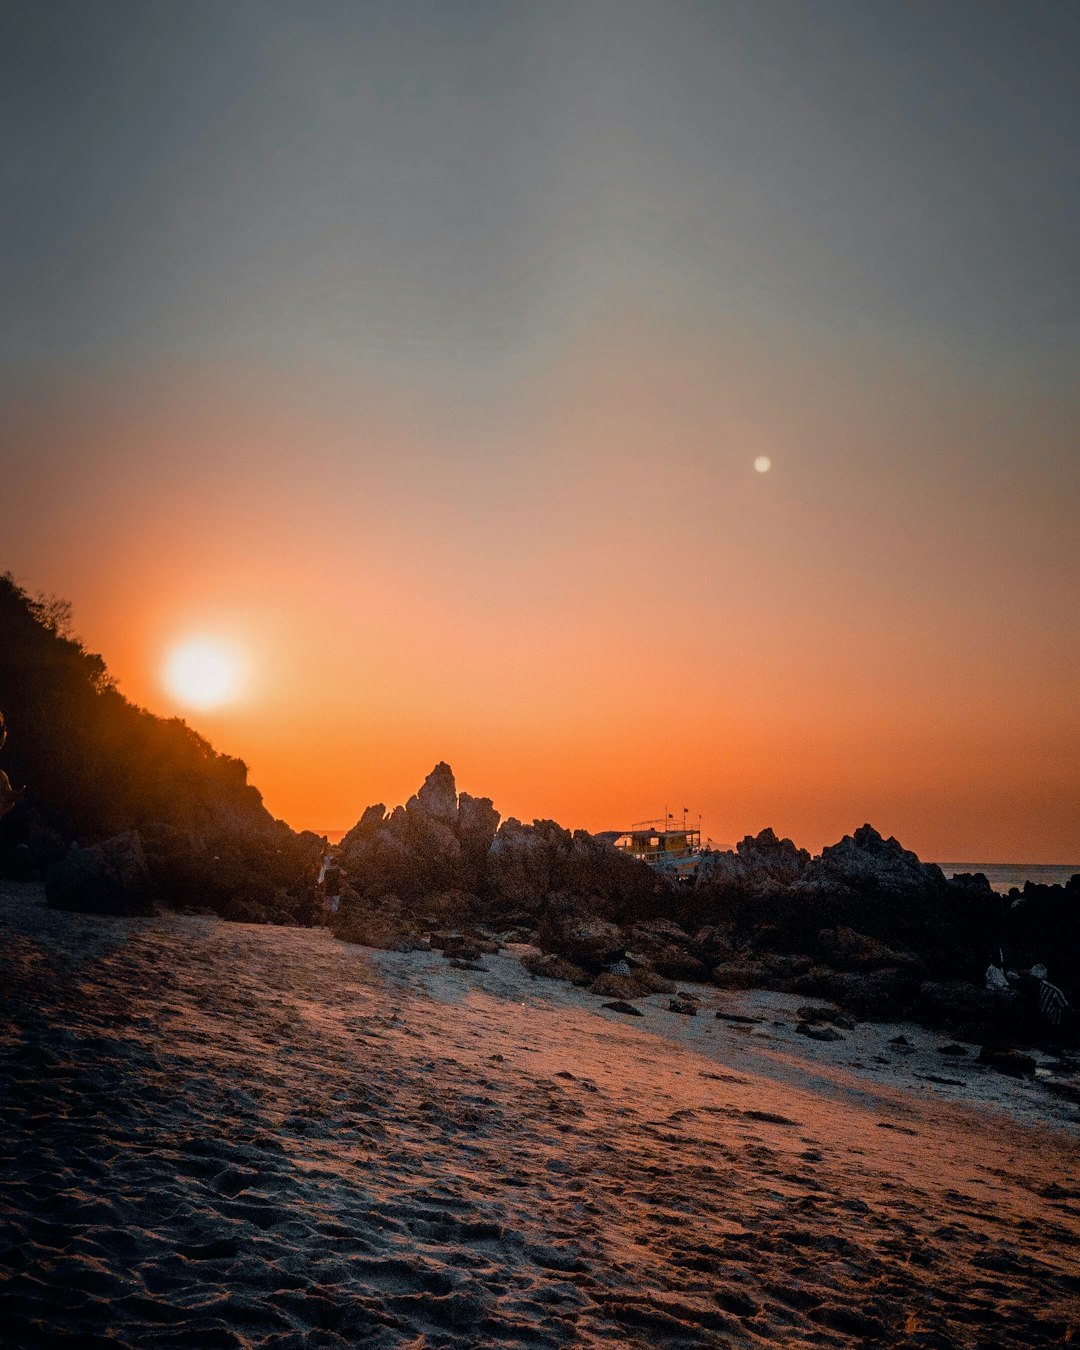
x,y
477,821
372,818
110,878
683,1006
527,864
865,861
438,796
761,862
620,1006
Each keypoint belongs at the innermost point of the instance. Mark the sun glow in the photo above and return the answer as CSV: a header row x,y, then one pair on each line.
x,y
204,672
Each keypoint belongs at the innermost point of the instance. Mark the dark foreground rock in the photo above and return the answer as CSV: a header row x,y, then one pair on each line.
x,y
109,878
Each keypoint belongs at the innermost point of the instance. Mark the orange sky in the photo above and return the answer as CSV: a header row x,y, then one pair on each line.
x,y
425,352
621,618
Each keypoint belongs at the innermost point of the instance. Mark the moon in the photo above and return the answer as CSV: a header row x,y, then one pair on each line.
x,y
203,672
763,463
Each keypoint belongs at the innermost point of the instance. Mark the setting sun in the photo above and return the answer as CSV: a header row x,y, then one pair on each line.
x,y
203,673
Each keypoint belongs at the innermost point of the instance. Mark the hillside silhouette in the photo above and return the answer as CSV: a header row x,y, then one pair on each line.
x,y
96,766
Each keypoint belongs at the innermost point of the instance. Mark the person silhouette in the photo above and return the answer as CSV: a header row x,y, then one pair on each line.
x,y
8,795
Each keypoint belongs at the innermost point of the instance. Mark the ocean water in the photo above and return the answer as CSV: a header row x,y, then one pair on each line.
x,y
1003,876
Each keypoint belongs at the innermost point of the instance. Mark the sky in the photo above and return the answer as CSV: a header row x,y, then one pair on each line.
x,y
419,354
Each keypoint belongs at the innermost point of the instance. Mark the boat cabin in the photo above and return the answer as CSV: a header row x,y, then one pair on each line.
x,y
660,843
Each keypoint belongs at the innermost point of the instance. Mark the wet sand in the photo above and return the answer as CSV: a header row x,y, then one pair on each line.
x,y
225,1135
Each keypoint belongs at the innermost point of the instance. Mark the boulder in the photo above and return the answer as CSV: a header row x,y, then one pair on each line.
x,y
815,1032
1010,1062
109,878
713,944
875,995
845,949
569,926
640,983
667,949
379,923
553,967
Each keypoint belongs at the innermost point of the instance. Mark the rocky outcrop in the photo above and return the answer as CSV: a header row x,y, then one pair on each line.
x,y
866,924
418,850
442,844
448,861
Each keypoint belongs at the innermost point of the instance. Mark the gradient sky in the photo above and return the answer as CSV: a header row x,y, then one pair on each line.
x,y
424,350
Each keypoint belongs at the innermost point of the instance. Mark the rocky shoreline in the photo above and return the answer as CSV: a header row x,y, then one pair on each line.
x,y
866,926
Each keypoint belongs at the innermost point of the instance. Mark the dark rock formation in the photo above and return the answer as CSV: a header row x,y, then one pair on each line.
x,y
554,967
437,799
448,861
108,878
758,863
417,851
864,861
666,948
375,923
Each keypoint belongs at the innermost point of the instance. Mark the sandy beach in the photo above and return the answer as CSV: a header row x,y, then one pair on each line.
x,y
230,1135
